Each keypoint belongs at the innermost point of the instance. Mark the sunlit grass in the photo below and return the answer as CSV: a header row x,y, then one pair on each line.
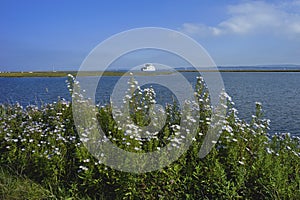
x,y
13,186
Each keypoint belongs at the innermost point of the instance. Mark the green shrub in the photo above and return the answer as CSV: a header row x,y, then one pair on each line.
x,y
44,145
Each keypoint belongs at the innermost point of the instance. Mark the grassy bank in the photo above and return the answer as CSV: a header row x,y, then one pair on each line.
x,y
74,73
43,145
56,74
35,74
15,186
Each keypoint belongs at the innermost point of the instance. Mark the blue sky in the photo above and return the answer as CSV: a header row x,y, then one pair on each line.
x,y
36,35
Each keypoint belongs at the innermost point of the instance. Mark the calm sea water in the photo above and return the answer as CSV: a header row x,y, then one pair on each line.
x,y
278,92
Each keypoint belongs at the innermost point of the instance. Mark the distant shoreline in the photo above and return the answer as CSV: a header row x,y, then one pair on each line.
x,y
245,70
82,73
121,73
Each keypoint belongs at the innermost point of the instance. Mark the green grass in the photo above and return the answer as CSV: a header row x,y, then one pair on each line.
x,y
13,186
34,74
42,147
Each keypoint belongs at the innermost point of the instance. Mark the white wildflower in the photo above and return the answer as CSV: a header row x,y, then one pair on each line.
x,y
241,162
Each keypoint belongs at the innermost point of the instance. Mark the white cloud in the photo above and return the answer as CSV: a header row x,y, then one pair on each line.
x,y
253,17
200,29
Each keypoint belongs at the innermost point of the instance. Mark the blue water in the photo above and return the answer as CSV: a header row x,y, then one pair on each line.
x,y
278,92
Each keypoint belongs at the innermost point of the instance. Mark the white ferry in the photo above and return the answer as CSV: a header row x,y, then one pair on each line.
x,y
148,68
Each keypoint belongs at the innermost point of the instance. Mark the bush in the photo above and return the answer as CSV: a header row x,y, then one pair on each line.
x,y
246,162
